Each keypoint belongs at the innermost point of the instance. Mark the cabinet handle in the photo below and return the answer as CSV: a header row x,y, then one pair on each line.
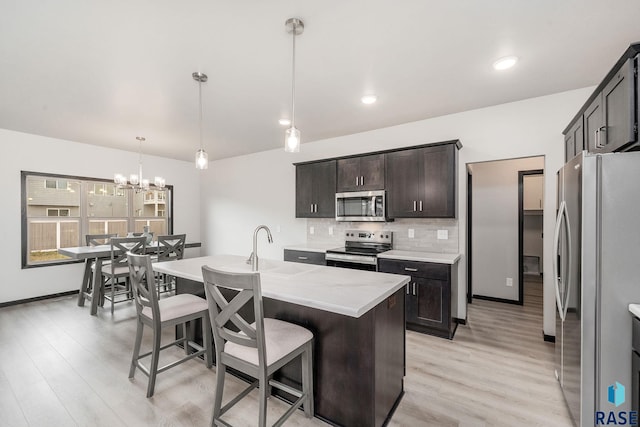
x,y
407,288
316,208
414,206
303,257
357,183
414,288
598,136
420,205
410,269
362,180
311,207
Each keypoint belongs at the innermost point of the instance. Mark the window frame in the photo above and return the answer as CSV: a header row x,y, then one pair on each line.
x,y
83,218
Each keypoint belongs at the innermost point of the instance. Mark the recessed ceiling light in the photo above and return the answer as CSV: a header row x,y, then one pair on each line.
x,y
369,99
284,122
505,63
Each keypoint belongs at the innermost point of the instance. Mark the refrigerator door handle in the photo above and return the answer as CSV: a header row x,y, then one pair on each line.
x,y
556,247
567,282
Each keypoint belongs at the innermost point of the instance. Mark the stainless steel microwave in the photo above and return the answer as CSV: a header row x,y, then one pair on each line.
x,y
361,206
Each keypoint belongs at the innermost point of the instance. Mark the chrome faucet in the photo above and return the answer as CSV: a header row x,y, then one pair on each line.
x,y
253,258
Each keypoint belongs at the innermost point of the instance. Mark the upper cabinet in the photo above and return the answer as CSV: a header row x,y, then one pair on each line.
x,y
533,192
574,140
362,173
609,120
421,182
316,190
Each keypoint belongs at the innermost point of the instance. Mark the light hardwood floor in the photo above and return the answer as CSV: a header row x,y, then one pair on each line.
x,y
61,367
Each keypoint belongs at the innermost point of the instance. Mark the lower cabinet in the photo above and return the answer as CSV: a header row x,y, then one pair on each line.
x,y
428,296
306,257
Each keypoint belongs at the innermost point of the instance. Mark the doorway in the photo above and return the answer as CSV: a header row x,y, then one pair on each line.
x,y
530,233
495,247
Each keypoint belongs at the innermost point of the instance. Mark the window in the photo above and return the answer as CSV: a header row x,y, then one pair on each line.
x,y
56,184
58,211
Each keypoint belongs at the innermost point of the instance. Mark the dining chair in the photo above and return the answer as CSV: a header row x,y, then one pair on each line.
x,y
170,248
158,314
113,273
258,349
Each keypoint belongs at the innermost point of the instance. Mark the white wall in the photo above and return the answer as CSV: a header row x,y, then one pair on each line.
x,y
495,226
240,193
39,154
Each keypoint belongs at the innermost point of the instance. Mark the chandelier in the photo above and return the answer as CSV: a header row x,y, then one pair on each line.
x,y
136,181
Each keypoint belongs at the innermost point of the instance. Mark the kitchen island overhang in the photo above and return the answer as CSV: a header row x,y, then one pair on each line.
x,y
358,321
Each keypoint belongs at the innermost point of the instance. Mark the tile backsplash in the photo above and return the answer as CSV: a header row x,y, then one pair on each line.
x,y
425,233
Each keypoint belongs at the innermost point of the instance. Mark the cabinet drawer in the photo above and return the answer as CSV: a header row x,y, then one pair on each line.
x,y
304,257
428,270
635,343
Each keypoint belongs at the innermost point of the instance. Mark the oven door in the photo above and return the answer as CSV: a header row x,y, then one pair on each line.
x,y
356,262
361,206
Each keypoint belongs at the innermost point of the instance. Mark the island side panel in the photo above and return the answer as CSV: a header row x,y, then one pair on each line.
x,y
390,355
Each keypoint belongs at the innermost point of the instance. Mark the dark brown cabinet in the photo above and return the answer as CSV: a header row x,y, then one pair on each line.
x,y
316,190
611,116
421,182
608,121
305,257
362,173
574,140
428,296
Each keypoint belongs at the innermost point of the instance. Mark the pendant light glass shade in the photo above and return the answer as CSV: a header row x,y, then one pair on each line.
x,y
202,159
295,27
292,140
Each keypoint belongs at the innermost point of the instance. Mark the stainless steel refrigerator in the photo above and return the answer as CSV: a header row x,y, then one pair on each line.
x,y
597,274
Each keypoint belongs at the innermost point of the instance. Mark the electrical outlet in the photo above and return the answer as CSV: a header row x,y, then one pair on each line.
x,y
330,231
412,233
509,281
443,234
312,230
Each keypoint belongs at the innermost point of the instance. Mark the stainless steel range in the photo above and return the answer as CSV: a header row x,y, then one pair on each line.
x,y
360,249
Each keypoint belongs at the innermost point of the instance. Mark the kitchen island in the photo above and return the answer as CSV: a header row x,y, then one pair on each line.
x,y
357,318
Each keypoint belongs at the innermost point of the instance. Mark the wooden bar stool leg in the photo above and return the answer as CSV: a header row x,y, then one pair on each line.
x,y
307,379
136,349
217,401
155,355
263,387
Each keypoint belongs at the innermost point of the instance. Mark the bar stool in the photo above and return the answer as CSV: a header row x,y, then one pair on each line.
x,y
169,312
117,268
258,349
170,248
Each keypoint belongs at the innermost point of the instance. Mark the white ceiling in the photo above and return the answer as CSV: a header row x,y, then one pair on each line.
x,y
104,72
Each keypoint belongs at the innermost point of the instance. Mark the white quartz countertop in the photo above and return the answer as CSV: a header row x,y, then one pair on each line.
x,y
635,309
313,247
337,290
421,256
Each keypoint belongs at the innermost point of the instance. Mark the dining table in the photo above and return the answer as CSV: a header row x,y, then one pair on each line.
x,y
90,288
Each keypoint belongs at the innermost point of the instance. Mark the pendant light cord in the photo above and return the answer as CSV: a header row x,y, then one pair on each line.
x,y
200,116
293,80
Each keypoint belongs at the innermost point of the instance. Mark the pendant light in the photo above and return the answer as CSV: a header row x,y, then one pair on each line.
x,y
202,158
295,27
